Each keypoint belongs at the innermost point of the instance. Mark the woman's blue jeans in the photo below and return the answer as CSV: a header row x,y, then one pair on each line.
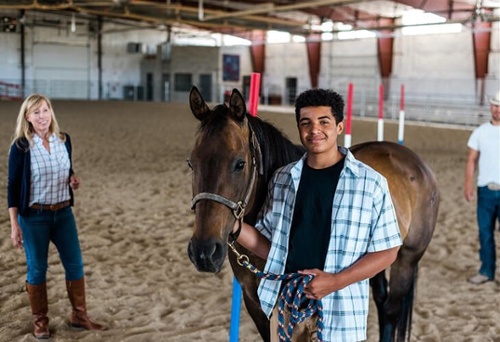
x,y
488,212
41,227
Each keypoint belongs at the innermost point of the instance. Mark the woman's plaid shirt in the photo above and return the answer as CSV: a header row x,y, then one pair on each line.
x,y
49,172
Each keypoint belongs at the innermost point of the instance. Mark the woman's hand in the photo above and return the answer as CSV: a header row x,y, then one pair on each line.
x,y
74,182
16,236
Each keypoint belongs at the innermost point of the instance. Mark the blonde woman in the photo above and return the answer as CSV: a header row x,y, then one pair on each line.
x,y
40,196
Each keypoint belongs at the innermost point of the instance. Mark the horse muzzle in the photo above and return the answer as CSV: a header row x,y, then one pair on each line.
x,y
207,255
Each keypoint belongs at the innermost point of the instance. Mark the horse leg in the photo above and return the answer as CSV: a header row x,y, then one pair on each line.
x,y
259,318
398,307
378,284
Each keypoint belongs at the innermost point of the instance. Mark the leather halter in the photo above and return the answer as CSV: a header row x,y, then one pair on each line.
x,y
238,208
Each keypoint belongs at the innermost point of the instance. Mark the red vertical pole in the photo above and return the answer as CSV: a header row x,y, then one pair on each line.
x,y
381,101
402,98
253,102
380,130
234,326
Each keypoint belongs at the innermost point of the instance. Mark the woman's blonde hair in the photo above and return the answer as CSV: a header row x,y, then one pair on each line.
x,y
24,129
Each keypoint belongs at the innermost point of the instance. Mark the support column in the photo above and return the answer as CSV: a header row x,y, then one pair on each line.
x,y
99,57
258,51
481,38
313,43
385,46
22,49
258,57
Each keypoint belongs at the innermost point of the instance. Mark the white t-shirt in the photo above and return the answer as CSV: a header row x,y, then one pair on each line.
x,y
486,140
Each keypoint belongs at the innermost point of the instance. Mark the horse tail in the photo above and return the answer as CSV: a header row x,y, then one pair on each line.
x,y
403,330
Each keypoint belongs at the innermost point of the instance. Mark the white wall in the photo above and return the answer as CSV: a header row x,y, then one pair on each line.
x,y
56,61
195,61
351,61
9,55
121,68
282,61
437,68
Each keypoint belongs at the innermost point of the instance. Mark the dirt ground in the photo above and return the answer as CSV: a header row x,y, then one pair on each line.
x,y
134,219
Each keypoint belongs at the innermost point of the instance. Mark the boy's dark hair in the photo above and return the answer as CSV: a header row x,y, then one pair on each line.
x,y
321,97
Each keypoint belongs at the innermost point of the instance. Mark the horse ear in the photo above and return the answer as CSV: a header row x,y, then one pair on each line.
x,y
197,104
237,105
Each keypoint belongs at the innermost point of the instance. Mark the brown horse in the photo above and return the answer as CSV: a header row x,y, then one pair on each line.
x,y
233,159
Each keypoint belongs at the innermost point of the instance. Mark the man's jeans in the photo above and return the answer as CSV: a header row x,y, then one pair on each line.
x,y
39,228
488,212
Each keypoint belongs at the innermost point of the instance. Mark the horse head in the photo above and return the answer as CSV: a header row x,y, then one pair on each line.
x,y
224,163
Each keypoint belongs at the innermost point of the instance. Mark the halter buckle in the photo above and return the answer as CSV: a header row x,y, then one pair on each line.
x,y
239,211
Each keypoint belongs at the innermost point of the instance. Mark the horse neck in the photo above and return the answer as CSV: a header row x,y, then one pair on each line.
x,y
277,150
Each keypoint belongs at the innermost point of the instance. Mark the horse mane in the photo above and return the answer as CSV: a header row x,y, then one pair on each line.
x,y
277,149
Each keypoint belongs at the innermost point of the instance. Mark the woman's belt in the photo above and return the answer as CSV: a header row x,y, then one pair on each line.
x,y
51,207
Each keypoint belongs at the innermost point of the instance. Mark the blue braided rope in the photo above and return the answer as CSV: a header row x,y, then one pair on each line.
x,y
292,298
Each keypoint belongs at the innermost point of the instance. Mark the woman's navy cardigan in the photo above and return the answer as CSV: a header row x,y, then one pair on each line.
x,y
19,181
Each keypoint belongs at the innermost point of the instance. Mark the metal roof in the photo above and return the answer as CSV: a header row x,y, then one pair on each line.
x,y
242,17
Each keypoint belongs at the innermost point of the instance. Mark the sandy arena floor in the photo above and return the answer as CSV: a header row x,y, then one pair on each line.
x,y
135,222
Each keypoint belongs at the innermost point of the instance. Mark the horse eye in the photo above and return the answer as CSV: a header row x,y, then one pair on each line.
x,y
189,163
240,165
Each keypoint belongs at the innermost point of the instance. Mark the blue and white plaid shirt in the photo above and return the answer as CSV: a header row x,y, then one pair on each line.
x,y
49,172
363,221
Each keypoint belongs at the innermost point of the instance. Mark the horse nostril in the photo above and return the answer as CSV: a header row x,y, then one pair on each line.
x,y
219,251
207,256
190,251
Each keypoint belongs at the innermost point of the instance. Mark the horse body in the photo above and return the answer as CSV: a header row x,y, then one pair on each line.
x,y
232,147
415,195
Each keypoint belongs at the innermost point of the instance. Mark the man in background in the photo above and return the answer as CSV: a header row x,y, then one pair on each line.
x,y
484,157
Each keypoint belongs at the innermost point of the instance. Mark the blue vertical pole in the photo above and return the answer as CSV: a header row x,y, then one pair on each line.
x,y
234,325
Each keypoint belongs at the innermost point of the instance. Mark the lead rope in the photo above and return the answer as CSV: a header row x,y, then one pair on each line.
x,y
291,297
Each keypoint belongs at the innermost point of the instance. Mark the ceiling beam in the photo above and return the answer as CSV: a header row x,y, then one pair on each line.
x,y
284,8
127,15
36,6
173,13
450,9
428,6
242,17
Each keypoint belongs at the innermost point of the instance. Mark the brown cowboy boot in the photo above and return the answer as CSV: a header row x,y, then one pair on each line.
x,y
78,317
39,308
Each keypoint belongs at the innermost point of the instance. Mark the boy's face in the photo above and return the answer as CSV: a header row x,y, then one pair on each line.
x,y
318,129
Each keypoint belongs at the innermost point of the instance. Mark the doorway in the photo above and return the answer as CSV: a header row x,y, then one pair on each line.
x,y
291,89
206,86
149,86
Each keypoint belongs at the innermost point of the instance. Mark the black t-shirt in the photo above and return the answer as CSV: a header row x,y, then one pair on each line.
x,y
311,223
